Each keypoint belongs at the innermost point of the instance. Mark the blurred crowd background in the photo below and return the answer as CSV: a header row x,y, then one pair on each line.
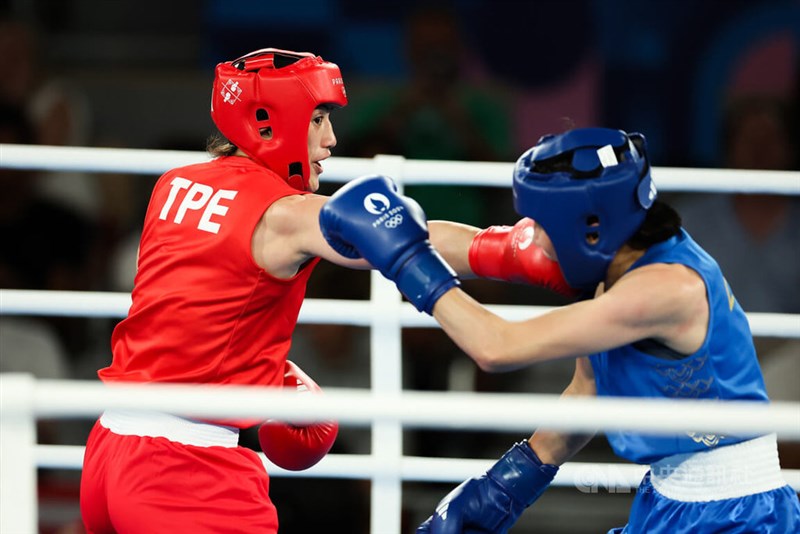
x,y
711,83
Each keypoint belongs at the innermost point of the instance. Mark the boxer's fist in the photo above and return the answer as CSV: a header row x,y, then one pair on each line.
x,y
369,218
493,502
509,253
294,446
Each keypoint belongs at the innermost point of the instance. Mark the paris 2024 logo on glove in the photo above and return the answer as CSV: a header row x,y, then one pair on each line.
x,y
378,204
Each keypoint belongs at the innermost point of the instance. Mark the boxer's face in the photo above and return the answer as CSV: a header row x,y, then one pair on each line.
x,y
321,140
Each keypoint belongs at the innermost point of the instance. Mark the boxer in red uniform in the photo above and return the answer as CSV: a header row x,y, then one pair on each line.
x,y
226,250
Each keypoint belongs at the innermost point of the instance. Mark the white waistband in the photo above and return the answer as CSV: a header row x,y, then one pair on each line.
x,y
171,427
728,472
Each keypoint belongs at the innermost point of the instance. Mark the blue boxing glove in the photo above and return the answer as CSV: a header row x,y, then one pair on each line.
x,y
369,218
492,503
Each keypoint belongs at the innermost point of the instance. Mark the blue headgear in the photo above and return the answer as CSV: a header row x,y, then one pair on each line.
x,y
589,184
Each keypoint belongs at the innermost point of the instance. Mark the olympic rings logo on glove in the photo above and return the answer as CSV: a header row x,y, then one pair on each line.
x,y
394,221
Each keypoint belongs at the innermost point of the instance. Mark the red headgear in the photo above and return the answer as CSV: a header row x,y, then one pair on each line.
x,y
277,89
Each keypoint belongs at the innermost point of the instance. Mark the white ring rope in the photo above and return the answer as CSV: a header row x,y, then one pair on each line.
x,y
313,311
487,411
415,468
340,169
386,407
58,399
363,466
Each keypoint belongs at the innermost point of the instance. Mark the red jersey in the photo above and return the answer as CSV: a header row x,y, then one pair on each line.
x,y
203,311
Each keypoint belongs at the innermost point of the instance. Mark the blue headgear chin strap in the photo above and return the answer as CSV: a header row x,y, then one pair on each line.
x,y
589,189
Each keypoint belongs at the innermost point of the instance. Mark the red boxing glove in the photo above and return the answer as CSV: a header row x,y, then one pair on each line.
x,y
508,253
295,446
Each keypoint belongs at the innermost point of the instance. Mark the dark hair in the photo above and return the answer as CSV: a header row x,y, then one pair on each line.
x,y
660,223
218,145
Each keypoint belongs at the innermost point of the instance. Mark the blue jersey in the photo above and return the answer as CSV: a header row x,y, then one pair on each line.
x,y
725,366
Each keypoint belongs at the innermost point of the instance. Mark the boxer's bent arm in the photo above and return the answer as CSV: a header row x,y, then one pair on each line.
x,y
288,235
558,447
660,301
493,502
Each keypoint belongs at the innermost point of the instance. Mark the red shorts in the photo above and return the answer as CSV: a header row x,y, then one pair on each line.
x,y
133,483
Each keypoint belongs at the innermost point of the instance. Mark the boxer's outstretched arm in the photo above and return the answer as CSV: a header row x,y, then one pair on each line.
x,y
453,240
288,235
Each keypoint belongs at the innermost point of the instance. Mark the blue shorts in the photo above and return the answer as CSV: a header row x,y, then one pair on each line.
x,y
775,511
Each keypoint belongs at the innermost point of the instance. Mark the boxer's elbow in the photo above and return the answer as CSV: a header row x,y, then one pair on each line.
x,y
493,357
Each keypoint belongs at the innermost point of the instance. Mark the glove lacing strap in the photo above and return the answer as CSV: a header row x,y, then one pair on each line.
x,y
422,276
522,474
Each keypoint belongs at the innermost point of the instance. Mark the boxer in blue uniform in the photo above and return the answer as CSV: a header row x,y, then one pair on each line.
x,y
658,320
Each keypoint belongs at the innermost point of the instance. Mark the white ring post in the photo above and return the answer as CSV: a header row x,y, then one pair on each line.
x,y
17,461
387,379
387,434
